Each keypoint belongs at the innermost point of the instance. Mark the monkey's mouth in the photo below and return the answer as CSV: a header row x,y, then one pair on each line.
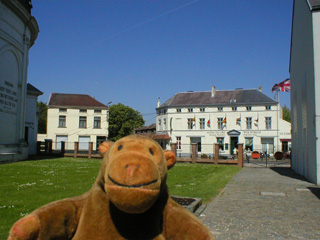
x,y
132,186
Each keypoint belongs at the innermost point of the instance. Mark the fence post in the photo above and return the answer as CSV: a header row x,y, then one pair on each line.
x,y
38,148
216,153
174,148
90,149
76,149
63,148
240,155
194,152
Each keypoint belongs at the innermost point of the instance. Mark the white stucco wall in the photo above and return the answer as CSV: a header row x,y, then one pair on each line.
x,y
316,117
176,126
32,123
304,91
72,130
17,34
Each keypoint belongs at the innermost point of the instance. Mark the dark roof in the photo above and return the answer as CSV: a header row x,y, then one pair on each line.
x,y
74,100
220,98
32,90
314,4
150,127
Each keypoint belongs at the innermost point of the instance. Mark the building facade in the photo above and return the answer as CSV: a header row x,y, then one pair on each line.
x,y
18,33
31,124
305,83
226,118
76,118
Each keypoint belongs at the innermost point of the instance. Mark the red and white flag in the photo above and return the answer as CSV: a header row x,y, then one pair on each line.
x,y
284,86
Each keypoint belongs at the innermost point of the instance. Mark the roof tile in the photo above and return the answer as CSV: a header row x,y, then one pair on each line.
x,y
74,100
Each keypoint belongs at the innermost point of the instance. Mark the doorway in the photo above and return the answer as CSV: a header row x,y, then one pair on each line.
x,y
233,144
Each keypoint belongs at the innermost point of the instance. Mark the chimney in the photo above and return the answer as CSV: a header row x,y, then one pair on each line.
x,y
260,88
158,104
213,91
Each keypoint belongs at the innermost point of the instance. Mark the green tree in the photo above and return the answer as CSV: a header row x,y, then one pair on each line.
x,y
286,113
122,121
42,119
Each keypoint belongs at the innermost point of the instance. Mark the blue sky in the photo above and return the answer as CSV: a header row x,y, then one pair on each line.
x,y
134,51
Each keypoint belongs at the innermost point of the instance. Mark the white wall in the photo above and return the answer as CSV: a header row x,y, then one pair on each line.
x,y
32,123
16,37
303,70
280,128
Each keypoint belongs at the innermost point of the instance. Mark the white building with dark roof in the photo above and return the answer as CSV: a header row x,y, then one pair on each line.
x,y
76,118
305,88
225,117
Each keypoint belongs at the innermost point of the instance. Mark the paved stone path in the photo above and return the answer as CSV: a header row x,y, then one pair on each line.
x,y
265,203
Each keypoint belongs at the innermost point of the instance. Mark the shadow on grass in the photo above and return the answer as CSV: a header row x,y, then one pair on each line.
x,y
34,158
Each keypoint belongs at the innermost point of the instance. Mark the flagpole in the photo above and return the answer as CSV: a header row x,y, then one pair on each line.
x,y
278,98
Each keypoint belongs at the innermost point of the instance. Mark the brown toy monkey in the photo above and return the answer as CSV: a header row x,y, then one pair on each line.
x,y
129,200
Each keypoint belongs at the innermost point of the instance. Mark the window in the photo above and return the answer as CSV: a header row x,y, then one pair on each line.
x,y
190,123
220,123
268,123
268,107
97,122
97,111
164,123
202,109
62,121
234,108
159,124
249,108
82,122
202,123
249,123
83,110
62,110
178,142
220,141
190,109
220,109
178,109
248,144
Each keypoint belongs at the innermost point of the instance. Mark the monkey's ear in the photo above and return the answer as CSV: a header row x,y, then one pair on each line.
x,y
104,147
171,158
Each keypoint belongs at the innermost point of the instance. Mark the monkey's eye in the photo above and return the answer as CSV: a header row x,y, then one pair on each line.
x,y
151,151
120,147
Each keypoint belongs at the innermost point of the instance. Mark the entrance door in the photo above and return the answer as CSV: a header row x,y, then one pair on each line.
x,y
233,145
100,139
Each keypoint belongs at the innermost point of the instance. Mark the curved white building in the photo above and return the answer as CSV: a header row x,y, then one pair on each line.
x,y
18,33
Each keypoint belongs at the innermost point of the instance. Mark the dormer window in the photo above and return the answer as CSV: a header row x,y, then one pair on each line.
x,y
233,100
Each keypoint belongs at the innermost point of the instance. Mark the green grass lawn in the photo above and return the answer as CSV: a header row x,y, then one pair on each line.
x,y
25,186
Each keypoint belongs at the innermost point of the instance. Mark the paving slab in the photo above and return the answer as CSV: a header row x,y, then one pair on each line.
x,y
265,203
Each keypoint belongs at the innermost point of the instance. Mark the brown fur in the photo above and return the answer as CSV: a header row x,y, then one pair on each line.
x,y
129,200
